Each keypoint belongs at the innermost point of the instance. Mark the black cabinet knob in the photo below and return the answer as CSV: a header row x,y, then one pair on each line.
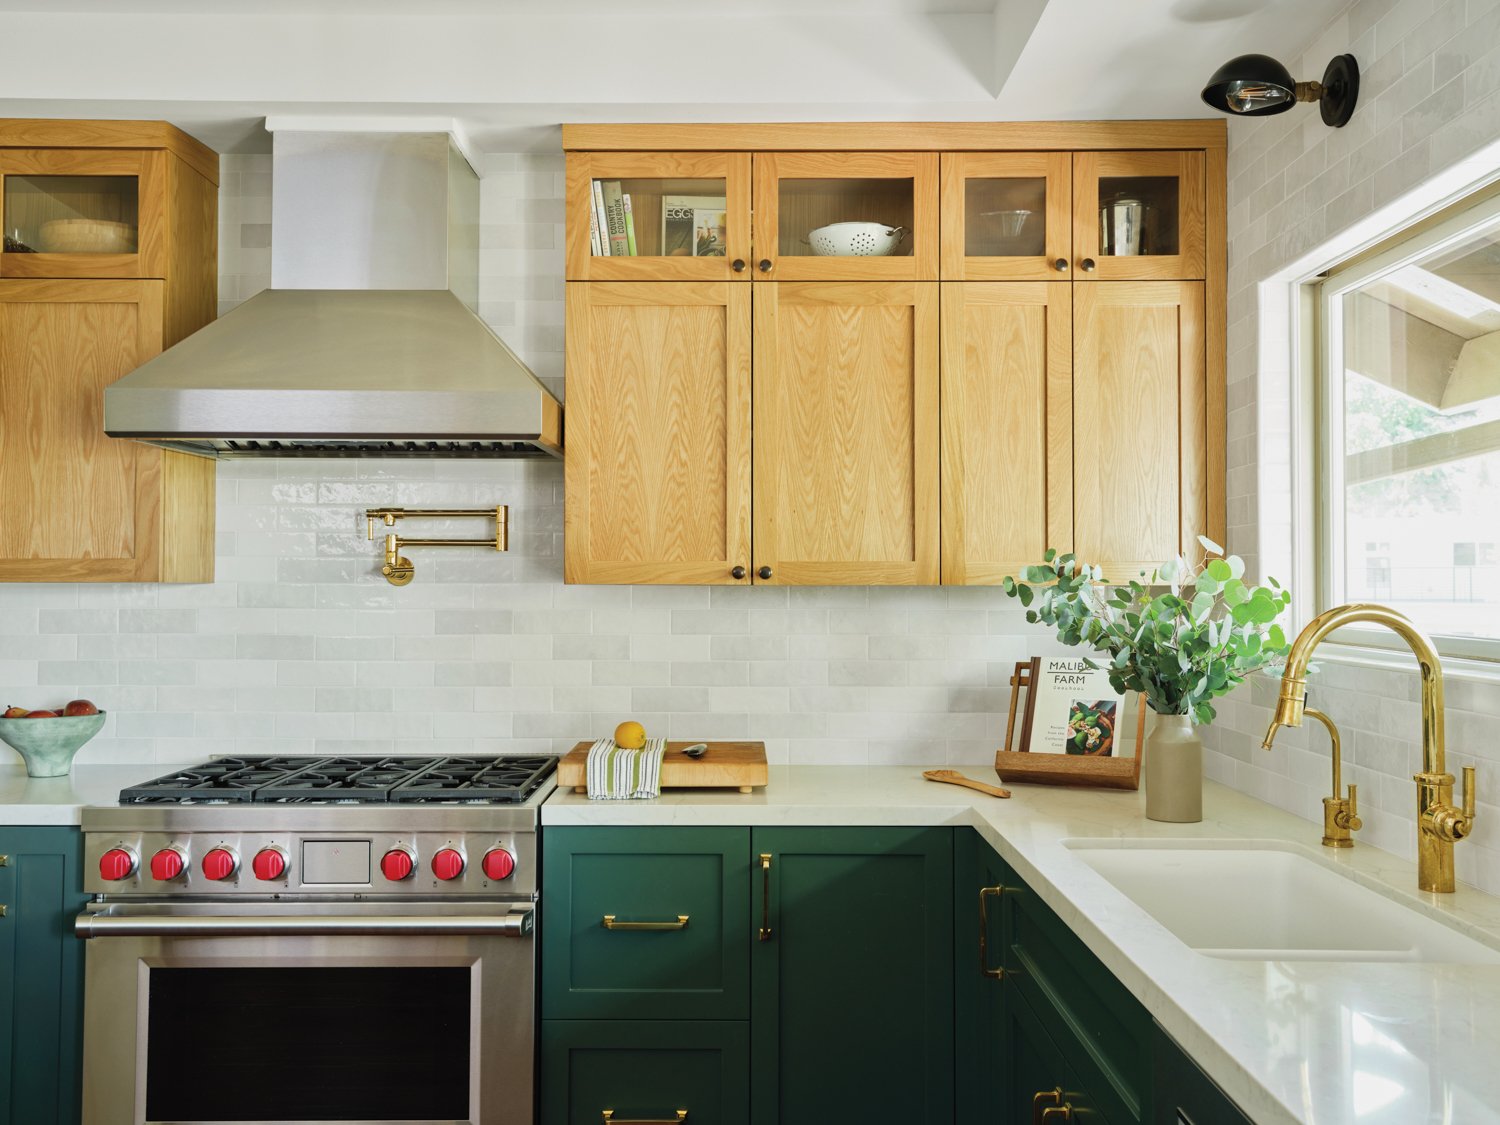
x,y
738,265
738,572
765,265
764,572
1088,265
1061,265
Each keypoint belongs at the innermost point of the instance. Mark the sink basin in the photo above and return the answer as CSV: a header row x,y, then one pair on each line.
x,y
1263,901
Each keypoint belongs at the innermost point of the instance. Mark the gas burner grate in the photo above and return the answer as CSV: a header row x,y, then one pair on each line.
x,y
345,779
474,780
226,780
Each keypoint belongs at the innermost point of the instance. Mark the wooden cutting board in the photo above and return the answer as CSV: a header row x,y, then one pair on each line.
x,y
736,765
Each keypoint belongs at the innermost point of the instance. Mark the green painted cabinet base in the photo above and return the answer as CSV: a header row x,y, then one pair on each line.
x,y
1184,1094
645,1070
41,976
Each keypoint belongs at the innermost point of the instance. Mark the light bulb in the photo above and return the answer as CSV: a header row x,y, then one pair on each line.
x,y
1246,97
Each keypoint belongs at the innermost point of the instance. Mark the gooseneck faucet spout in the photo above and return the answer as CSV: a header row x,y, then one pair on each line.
x,y
1439,822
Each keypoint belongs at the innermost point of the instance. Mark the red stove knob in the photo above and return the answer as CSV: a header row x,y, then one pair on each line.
x,y
498,864
167,864
269,863
219,863
117,864
447,864
396,864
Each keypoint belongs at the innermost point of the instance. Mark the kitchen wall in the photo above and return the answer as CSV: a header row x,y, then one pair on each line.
x,y
301,646
1429,101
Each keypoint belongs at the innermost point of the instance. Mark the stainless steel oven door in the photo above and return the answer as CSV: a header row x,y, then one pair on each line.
x,y
308,1012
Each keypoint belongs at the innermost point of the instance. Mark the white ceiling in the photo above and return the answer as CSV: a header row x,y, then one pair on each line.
x,y
511,70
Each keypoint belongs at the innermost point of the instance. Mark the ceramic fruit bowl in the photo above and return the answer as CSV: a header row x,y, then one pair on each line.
x,y
48,745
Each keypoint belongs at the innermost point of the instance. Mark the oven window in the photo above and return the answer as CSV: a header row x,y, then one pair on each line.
x,y
274,1044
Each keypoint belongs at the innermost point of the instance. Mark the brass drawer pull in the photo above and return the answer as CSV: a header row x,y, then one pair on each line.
x,y
1058,1110
609,1119
609,923
1062,1112
765,900
984,934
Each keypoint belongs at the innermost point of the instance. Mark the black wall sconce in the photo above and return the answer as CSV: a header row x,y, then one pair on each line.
x,y
1258,86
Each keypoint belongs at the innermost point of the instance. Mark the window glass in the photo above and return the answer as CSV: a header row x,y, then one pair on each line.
x,y
1417,469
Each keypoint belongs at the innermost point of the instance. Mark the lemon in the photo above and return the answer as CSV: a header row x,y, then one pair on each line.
x,y
630,736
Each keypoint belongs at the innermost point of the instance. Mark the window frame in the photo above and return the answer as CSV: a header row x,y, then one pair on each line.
x,y
1328,417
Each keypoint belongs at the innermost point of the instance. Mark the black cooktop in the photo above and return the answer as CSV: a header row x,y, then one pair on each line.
x,y
285,780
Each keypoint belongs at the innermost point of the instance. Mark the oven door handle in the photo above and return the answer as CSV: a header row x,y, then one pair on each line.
x,y
518,923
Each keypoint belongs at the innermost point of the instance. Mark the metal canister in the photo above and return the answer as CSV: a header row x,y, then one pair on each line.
x,y
1127,226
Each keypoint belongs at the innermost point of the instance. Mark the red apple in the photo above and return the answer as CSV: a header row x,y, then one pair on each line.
x,y
80,707
42,715
15,713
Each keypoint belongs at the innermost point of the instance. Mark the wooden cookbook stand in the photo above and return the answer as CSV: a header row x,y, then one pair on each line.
x,y
1061,769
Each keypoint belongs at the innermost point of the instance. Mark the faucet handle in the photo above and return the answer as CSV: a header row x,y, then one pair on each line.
x,y
1350,818
1469,795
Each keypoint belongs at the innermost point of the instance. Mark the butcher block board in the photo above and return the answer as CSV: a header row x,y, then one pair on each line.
x,y
727,765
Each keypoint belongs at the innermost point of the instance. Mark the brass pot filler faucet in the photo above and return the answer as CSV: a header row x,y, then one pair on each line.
x,y
1439,822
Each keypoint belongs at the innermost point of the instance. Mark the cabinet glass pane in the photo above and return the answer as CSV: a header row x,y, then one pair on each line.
x,y
657,217
1005,218
71,214
858,218
1137,215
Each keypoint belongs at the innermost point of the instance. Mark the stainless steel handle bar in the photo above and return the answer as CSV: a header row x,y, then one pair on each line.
x,y
105,925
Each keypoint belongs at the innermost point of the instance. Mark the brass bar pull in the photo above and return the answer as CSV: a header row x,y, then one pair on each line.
x,y
984,933
1062,1112
399,571
609,1119
609,923
1043,1100
2,912
765,899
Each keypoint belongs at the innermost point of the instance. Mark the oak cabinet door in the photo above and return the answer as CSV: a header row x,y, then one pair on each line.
x,y
846,433
689,216
1140,424
1007,216
658,433
1139,216
1007,361
79,506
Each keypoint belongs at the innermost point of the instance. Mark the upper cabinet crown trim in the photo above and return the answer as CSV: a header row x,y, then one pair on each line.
x,y
912,136
34,133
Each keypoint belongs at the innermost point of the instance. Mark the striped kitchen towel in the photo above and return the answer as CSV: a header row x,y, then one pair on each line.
x,y
616,774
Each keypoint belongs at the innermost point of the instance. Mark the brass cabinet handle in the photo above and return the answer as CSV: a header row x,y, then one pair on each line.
x,y
609,923
1040,1100
1062,1112
984,933
765,899
609,1119
2,912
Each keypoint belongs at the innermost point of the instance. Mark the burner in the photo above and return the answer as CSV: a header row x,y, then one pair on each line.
x,y
224,780
345,779
477,779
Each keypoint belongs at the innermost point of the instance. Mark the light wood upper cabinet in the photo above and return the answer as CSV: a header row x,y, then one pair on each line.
x,y
658,432
846,433
1139,216
689,216
79,506
1007,352
1140,433
799,193
1007,216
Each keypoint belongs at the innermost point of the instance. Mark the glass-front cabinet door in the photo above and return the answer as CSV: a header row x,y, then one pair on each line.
x,y
1138,216
658,216
70,213
1007,216
846,216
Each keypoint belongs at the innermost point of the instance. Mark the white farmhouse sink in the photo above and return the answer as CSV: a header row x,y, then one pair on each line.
x,y
1263,901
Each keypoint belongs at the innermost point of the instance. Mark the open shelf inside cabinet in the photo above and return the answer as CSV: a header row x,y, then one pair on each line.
x,y
1138,216
805,206
670,218
71,214
1005,217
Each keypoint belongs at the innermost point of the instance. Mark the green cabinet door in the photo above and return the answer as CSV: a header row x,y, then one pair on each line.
x,y
852,986
645,1070
1044,1086
980,1066
600,884
41,976
1184,1095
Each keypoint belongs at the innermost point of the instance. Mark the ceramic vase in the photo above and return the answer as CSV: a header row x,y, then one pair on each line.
x,y
48,745
1174,771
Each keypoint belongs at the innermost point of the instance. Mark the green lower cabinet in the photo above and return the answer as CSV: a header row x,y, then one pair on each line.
x,y
851,1007
41,976
1184,1094
645,1070
1044,1086
981,1066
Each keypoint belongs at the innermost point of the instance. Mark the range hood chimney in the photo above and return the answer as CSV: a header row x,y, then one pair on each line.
x,y
368,342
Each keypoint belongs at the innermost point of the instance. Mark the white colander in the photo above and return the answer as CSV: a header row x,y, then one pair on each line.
x,y
855,240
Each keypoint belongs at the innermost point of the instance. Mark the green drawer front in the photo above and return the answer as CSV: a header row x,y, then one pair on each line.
x,y
655,875
1185,1093
1104,1030
645,1070
1043,1075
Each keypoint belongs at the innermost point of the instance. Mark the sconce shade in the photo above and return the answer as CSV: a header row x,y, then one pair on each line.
x,y
1251,86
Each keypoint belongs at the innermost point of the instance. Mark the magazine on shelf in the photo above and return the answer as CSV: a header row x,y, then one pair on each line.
x,y
599,219
693,226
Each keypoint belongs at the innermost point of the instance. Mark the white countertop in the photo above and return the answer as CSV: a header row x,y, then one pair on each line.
x,y
58,800
1308,1042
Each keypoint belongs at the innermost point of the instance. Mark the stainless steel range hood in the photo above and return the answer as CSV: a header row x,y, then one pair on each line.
x,y
368,342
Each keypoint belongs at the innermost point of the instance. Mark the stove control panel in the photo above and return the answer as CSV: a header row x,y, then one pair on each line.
x,y
286,863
